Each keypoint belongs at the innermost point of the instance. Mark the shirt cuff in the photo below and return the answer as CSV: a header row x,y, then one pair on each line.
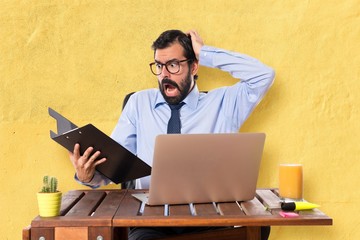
x,y
92,184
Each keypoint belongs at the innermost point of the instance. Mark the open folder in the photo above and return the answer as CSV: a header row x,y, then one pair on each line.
x,y
121,165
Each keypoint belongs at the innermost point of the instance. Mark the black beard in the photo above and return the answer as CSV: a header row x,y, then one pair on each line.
x,y
184,89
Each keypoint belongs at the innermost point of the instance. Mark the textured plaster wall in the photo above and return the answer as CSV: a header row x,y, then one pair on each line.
x,y
82,57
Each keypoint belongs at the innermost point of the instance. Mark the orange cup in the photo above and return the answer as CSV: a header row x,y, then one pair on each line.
x,y
291,181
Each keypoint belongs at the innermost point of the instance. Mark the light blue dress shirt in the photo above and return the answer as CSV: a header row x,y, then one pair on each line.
x,y
222,110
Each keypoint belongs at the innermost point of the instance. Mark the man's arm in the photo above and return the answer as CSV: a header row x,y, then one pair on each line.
x,y
240,66
255,78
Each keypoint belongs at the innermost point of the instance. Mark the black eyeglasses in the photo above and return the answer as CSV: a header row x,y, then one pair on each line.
x,y
172,66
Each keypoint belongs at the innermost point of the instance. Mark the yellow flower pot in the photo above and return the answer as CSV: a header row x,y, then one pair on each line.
x,y
49,204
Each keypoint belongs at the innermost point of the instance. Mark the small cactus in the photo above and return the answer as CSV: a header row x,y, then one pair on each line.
x,y
49,185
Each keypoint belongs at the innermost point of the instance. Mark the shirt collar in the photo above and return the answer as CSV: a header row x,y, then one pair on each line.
x,y
191,99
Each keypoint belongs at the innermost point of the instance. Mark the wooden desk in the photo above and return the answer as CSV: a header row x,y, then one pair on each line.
x,y
106,215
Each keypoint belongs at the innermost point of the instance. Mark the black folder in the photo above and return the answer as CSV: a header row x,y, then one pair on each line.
x,y
121,165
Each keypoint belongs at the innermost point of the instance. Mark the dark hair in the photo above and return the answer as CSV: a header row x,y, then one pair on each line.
x,y
171,36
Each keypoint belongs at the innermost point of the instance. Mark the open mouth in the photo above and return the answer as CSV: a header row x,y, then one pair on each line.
x,y
170,90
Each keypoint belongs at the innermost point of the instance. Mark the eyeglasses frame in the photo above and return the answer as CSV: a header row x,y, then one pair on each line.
x,y
165,64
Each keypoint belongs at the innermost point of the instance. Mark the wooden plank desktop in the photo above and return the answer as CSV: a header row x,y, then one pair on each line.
x,y
100,214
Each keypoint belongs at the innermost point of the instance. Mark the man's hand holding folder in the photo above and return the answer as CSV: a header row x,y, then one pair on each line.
x,y
85,165
91,150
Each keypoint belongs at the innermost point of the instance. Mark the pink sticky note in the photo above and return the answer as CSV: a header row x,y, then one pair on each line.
x,y
288,214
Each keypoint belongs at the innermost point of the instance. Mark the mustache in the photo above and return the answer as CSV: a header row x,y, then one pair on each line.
x,y
170,82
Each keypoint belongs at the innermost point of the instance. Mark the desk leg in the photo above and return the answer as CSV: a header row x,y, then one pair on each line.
x,y
42,233
26,233
253,233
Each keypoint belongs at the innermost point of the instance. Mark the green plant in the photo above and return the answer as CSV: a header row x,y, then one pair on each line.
x,y
49,184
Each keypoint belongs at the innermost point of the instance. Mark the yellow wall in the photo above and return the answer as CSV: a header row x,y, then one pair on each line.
x,y
82,57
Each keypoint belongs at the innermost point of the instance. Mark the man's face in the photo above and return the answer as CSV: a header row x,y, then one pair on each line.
x,y
175,86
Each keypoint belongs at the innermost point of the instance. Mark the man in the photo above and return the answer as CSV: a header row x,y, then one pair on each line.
x,y
177,57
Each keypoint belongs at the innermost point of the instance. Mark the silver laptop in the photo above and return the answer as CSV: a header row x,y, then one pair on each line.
x,y
199,168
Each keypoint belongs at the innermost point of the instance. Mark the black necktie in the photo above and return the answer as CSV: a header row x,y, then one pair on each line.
x,y
174,125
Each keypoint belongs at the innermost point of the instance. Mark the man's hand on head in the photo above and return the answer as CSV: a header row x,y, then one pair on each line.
x,y
196,41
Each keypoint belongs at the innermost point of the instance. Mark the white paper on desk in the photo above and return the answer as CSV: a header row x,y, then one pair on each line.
x,y
143,197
